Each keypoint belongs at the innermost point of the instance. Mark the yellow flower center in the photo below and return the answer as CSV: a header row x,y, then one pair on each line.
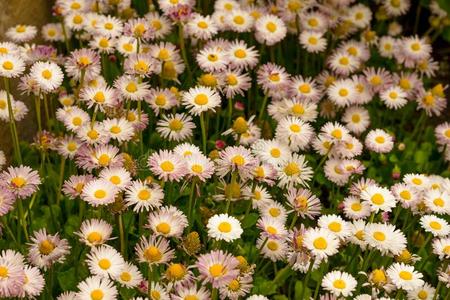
x,y
131,87
313,22
104,263
224,227
239,53
8,65
115,180
202,25
272,245
144,195
217,270
115,129
339,284
313,40
232,80
47,74
94,237
274,77
71,146
97,294
275,152
100,194
360,235
175,125
406,195
3,272
344,61
352,51
271,26
291,169
176,271
152,254
274,212
139,29
234,285
335,226
343,92
93,134
167,166
377,199
422,295
435,225
213,57
104,160
77,121
196,168
18,182
295,128
99,97
46,247
380,139
320,243
405,275
201,99
378,276
417,181
125,276
238,20
163,228
77,19
376,80
271,230
415,46
379,236
156,24
439,202
238,160
141,67
127,47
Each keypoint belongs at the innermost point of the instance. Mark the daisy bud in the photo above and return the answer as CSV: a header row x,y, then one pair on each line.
x,y
405,256
438,90
112,58
378,277
239,106
191,243
418,239
243,264
240,125
401,146
396,173
214,154
118,205
142,287
385,216
220,144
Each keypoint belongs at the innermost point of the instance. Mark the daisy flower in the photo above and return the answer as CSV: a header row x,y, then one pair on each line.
x,y
335,224
321,242
48,75
239,20
342,92
46,249
7,201
22,181
385,238
98,97
258,195
394,97
84,61
140,64
335,131
161,100
273,249
380,198
242,56
21,33
168,221
199,166
11,284
420,182
442,133
201,27
339,283
297,133
270,151
143,196
154,250
167,165
217,267
441,247
99,192
379,141
105,261
235,83
235,159
177,127
129,276
438,227
438,202
11,66
184,292
404,276
96,287
303,202
293,170
118,176
424,292
312,41
212,59
269,30
224,227
356,119
201,99
130,88
34,282
94,232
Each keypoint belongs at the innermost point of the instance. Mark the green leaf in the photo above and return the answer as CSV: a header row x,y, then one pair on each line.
x,y
446,34
264,287
68,279
280,297
421,157
250,220
299,289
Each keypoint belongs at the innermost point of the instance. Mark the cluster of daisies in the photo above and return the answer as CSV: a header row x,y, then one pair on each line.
x,y
226,150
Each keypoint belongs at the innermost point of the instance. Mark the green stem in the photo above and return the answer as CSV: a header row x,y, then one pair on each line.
x,y
190,204
61,180
22,219
308,275
12,123
264,103
66,40
202,125
121,234
37,103
183,50
47,114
